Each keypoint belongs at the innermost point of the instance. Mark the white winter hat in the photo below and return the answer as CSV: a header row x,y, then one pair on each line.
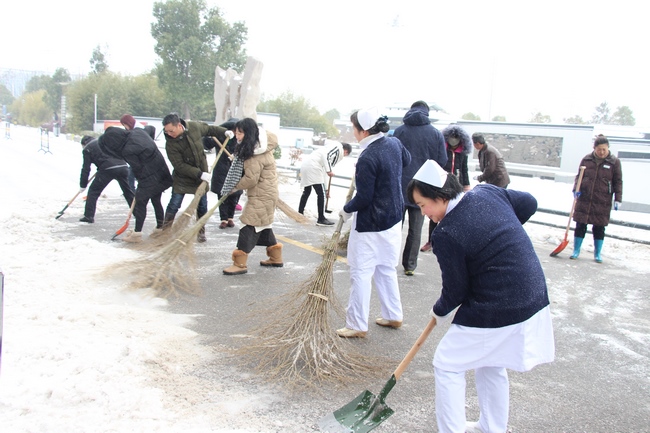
x,y
368,117
431,173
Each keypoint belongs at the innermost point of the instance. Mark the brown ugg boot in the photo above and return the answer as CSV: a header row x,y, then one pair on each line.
x,y
238,266
133,236
275,256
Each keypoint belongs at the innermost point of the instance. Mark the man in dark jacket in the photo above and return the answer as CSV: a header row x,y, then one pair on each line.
x,y
108,169
491,163
149,167
184,146
424,142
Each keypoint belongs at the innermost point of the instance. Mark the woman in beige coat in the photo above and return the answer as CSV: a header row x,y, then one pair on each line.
x,y
254,156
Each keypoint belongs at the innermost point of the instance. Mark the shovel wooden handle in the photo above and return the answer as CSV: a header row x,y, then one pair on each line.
x,y
416,347
329,186
75,196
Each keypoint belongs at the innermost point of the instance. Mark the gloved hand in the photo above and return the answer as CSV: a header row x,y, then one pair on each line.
x,y
577,194
206,177
616,205
81,190
345,215
230,134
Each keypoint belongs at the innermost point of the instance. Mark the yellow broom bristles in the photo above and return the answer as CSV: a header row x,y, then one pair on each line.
x,y
170,269
291,212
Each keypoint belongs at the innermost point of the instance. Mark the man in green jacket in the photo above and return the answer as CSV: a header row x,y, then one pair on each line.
x,y
184,146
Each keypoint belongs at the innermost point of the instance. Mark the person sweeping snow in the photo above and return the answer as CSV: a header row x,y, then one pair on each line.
x,y
253,170
314,171
376,234
493,290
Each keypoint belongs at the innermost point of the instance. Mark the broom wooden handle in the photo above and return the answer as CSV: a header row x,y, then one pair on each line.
x,y
416,347
339,225
223,149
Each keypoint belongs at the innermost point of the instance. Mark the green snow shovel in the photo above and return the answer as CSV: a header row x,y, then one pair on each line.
x,y
367,411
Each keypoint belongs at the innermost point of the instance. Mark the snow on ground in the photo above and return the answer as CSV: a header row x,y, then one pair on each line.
x,y
79,354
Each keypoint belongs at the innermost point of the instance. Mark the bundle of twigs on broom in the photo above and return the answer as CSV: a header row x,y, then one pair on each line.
x,y
295,342
170,269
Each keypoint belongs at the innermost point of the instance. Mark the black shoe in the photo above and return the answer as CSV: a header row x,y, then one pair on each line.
x,y
86,219
324,222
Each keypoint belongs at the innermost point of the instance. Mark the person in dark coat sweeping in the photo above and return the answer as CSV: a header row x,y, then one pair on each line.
x,y
184,147
602,180
150,169
108,169
423,141
493,290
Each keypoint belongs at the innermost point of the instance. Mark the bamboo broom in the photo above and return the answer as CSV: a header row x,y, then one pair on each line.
x,y
170,270
299,346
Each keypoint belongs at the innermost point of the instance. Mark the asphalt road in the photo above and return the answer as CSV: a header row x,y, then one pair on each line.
x,y
599,382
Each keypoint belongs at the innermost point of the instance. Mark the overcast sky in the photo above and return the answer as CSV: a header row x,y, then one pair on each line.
x,y
509,58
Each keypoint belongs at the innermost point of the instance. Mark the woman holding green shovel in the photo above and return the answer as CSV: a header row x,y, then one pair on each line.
x,y
493,290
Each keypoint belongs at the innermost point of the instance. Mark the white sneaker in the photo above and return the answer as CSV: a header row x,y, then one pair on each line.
x,y
472,427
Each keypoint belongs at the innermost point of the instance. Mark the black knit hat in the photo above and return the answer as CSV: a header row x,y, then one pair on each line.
x,y
86,139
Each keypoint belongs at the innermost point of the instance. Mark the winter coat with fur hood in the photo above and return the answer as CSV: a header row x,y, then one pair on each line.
x,y
423,141
139,150
457,157
187,155
260,180
603,178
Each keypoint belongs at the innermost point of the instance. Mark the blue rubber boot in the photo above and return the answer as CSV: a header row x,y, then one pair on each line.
x,y
577,243
598,247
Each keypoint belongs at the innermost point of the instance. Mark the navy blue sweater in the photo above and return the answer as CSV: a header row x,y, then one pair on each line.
x,y
488,263
378,202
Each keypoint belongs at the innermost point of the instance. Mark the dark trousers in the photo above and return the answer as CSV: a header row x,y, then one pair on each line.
x,y
227,208
412,245
140,210
102,179
581,231
131,179
176,201
320,193
249,238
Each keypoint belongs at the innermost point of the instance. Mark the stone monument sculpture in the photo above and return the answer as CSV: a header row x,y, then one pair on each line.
x,y
235,95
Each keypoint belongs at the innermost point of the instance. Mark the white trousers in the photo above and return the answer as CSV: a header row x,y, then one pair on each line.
x,y
493,389
373,256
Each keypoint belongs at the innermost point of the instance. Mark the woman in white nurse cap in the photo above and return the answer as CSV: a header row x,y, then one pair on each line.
x,y
493,289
